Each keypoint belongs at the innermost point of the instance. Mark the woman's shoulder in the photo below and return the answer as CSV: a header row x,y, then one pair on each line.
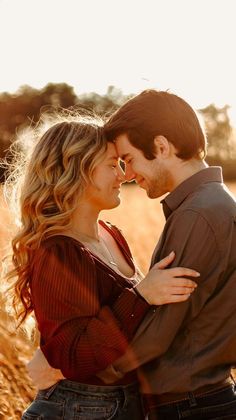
x,y
60,241
62,260
62,257
63,248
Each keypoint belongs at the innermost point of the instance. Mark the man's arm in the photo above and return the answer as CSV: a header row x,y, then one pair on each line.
x,y
193,240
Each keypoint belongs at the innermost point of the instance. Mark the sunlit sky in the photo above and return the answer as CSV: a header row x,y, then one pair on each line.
x,y
187,46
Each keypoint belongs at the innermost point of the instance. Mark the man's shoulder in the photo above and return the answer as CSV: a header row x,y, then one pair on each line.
x,y
210,199
211,205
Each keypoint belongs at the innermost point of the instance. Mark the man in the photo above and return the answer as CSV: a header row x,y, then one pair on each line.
x,y
186,351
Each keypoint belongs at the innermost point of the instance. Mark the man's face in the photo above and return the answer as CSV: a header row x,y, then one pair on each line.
x,y
150,175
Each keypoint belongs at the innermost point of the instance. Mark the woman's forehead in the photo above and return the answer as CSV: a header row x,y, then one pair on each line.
x,y
111,151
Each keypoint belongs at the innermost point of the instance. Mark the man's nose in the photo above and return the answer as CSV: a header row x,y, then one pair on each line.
x,y
129,174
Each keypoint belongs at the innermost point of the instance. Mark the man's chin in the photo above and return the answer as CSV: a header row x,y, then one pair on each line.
x,y
153,194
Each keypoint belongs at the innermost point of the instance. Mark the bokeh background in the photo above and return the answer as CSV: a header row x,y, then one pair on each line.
x,y
94,55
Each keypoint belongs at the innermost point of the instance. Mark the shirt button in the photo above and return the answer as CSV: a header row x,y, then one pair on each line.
x,y
132,315
154,310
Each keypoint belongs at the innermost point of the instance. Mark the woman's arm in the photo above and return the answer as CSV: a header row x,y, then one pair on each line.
x,y
78,345
78,334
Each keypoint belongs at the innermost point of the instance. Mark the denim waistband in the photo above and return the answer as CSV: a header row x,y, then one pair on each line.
x,y
204,392
108,391
76,386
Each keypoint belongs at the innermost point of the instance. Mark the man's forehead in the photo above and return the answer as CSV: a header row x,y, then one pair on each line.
x,y
121,152
122,139
123,146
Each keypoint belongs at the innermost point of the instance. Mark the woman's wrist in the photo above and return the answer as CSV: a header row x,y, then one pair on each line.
x,y
138,293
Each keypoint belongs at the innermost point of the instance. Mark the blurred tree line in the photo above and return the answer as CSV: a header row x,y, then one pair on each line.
x,y
25,107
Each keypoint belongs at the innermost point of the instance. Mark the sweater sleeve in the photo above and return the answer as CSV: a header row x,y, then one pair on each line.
x,y
78,335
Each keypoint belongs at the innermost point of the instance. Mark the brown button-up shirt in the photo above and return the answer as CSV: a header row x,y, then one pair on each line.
x,y
187,345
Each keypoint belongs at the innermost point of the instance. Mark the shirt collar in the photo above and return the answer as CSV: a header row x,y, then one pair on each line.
x,y
173,200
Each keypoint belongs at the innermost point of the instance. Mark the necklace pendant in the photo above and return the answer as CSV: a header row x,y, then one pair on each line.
x,y
113,263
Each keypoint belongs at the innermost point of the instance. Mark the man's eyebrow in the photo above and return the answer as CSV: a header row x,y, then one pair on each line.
x,y
123,157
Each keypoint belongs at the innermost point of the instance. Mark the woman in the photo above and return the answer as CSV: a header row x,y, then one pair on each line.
x,y
77,273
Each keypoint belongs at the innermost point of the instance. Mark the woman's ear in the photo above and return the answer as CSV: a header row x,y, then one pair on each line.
x,y
162,146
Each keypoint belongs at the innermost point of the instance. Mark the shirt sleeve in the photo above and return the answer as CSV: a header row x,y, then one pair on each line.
x,y
192,239
78,335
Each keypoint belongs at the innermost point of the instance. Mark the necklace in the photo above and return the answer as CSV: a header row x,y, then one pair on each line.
x,y
111,261
97,245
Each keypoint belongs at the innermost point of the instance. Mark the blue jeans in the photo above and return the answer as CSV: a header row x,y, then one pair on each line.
x,y
217,405
69,400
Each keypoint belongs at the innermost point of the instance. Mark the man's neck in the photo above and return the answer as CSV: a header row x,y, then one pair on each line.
x,y
184,170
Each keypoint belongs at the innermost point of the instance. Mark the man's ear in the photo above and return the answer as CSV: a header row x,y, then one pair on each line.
x,y
162,146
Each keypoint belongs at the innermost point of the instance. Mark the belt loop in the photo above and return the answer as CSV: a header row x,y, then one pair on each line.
x,y
192,400
49,391
234,382
125,392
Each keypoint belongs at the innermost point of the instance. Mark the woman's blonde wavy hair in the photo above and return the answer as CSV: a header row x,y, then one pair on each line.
x,y
46,183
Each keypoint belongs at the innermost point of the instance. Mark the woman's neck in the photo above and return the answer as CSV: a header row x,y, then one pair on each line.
x,y
85,221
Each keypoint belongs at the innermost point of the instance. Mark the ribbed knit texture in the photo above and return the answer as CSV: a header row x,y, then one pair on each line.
x,y
86,312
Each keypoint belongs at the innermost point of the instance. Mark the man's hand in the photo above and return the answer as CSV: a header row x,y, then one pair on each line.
x,y
41,373
109,375
167,285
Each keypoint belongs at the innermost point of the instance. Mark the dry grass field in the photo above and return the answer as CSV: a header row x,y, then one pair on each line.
x,y
141,221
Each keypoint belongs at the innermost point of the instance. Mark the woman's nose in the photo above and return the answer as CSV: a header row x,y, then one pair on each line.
x,y
120,174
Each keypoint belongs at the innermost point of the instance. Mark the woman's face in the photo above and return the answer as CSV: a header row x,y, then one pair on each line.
x,y
104,193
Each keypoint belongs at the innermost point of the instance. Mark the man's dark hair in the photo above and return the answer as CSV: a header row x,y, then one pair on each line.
x,y
153,113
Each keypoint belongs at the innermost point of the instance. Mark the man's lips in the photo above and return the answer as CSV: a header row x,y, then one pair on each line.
x,y
140,181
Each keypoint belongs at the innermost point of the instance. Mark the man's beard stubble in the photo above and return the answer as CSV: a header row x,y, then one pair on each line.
x,y
158,185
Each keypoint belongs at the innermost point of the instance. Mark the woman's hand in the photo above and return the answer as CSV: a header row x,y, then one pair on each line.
x,y
41,373
162,286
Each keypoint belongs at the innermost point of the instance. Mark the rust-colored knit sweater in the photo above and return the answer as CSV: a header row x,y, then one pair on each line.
x,y
86,312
